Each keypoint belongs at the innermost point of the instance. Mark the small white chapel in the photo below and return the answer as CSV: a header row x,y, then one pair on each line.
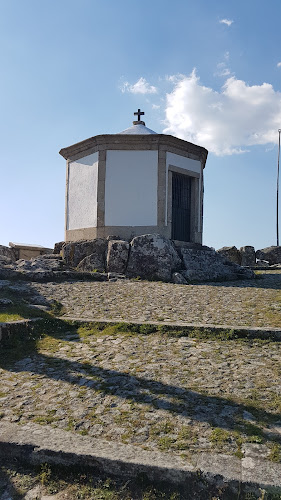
x,y
132,183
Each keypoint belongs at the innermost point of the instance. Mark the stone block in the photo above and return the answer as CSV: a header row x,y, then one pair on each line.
x,y
117,256
73,253
248,256
207,265
230,253
58,247
7,252
270,254
152,257
93,262
178,279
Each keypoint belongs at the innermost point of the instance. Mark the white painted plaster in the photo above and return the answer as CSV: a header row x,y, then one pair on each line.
x,y
131,188
187,164
82,192
183,162
139,130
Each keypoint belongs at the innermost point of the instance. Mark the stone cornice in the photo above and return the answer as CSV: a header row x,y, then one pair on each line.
x,y
122,141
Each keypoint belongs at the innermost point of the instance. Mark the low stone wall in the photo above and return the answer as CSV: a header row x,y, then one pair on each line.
x,y
149,256
248,256
152,257
21,327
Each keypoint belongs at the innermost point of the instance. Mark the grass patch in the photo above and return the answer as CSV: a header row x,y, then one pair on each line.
x,y
163,428
130,329
219,437
165,443
19,312
275,453
28,339
254,433
44,419
57,308
19,309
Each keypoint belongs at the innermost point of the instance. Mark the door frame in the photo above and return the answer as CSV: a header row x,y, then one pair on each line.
x,y
194,201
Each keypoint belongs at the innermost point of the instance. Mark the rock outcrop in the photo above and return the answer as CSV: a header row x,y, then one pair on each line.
x,y
271,254
74,253
117,256
248,256
206,264
58,247
92,263
152,257
7,253
230,253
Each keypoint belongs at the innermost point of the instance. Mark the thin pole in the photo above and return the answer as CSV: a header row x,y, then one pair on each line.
x,y
277,191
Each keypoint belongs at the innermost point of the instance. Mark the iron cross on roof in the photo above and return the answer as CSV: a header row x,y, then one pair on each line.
x,y
139,113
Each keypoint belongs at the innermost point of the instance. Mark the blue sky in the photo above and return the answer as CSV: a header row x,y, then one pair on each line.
x,y
204,71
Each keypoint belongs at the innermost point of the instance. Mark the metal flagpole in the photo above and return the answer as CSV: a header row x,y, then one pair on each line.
x,y
277,191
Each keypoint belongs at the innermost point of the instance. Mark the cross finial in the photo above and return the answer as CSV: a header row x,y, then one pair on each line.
x,y
139,113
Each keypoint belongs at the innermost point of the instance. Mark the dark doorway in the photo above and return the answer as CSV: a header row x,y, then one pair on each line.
x,y
181,196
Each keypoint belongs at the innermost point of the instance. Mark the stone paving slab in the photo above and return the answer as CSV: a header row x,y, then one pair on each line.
x,y
37,444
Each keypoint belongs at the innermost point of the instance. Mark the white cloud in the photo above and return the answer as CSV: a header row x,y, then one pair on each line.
x,y
225,72
225,122
140,87
278,65
222,67
228,22
155,106
222,70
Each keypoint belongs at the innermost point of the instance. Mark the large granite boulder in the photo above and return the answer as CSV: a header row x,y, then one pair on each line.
x,y
248,256
5,260
43,267
152,257
92,263
270,254
207,265
230,253
8,253
179,279
41,263
117,256
58,247
75,252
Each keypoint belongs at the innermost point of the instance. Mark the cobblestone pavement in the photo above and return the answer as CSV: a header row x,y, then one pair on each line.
x,y
154,392
240,303
150,391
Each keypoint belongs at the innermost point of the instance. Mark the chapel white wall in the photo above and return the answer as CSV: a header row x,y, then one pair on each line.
x,y
82,193
183,162
131,188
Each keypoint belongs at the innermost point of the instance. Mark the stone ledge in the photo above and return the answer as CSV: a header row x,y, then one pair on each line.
x,y
13,327
241,331
36,444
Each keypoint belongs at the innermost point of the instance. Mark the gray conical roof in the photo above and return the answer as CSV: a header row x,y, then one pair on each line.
x,y
138,129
